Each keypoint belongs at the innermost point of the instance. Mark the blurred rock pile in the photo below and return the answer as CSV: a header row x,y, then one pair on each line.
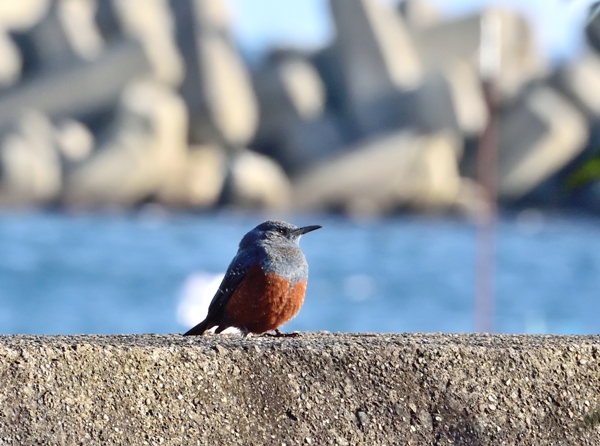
x,y
124,102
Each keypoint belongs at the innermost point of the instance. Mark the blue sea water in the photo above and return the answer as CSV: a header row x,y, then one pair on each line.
x,y
125,273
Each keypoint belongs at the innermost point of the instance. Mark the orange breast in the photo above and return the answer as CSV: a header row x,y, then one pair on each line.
x,y
263,302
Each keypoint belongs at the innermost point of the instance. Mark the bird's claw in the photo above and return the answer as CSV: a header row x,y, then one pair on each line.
x,y
279,334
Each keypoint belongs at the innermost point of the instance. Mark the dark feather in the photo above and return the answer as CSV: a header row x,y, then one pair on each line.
x,y
235,275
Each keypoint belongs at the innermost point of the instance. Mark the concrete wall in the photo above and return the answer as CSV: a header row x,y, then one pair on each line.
x,y
318,388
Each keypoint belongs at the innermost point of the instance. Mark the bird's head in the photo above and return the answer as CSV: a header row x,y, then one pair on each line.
x,y
276,231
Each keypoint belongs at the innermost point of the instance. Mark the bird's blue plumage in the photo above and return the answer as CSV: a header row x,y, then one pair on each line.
x,y
276,250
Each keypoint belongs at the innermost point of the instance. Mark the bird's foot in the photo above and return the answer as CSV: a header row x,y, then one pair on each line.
x,y
279,334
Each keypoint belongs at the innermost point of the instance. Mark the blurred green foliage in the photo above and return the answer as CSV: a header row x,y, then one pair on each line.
x,y
585,174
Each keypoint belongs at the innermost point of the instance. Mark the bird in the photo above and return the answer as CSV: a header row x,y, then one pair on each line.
x,y
265,283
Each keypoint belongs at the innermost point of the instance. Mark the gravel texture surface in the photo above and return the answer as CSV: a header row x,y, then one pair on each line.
x,y
317,388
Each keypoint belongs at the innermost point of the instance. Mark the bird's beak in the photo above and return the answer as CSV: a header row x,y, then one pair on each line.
x,y
305,229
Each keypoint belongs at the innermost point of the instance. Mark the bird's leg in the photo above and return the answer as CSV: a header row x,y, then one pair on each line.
x,y
279,334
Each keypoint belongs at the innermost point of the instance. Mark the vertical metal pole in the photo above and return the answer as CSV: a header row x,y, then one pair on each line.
x,y
487,168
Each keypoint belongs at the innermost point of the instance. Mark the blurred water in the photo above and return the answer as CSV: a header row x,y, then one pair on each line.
x,y
125,273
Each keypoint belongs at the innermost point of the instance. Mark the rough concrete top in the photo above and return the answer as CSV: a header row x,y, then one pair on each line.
x,y
318,388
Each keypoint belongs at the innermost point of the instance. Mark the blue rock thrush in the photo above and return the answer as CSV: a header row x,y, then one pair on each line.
x,y
265,283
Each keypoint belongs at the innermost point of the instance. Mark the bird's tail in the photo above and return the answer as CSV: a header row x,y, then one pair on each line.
x,y
200,328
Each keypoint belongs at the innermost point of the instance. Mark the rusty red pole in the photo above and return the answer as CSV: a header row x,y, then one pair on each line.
x,y
487,172
486,229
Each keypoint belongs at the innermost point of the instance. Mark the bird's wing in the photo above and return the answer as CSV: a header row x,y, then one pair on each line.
x,y
235,274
